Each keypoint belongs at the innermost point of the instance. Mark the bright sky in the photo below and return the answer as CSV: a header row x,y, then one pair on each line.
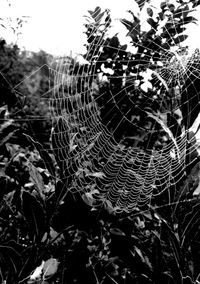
x,y
56,26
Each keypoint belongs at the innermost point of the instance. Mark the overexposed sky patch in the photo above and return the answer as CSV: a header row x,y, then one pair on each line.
x,y
56,26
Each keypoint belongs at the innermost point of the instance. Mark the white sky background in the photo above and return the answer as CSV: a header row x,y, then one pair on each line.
x,y
56,26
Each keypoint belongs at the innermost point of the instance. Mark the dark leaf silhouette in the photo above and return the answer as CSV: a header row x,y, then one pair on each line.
x,y
10,257
180,39
150,12
96,14
188,20
141,3
151,22
190,226
34,214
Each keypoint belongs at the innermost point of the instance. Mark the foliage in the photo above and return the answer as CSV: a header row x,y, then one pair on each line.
x,y
24,84
125,70
156,250
49,235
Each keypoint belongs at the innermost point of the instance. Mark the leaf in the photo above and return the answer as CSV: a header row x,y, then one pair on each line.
x,y
48,161
88,198
96,13
180,30
175,244
114,42
151,22
186,11
37,179
161,16
34,214
117,232
109,207
127,23
196,3
143,257
124,47
178,13
190,225
195,126
29,260
37,274
166,129
171,7
6,124
197,191
180,39
53,236
99,17
50,268
141,3
182,12
132,27
188,20
150,12
3,26
10,256
5,139
163,5
72,146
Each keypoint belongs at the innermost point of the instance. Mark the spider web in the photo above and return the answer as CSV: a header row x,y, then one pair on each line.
x,y
123,138
90,143
89,149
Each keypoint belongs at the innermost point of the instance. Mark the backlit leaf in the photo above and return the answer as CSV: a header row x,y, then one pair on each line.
x,y
50,268
37,273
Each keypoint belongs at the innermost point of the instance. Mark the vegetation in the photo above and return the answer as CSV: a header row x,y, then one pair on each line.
x,y
49,234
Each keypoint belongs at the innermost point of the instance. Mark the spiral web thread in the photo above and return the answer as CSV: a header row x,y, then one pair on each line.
x,y
104,169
